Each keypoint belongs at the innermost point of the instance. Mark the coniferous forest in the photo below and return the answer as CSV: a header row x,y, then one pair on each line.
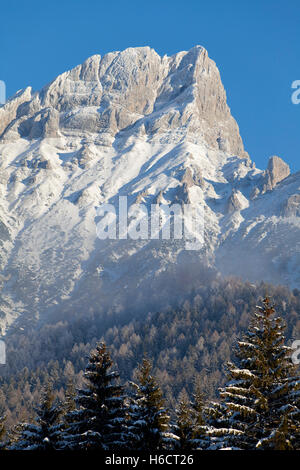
x,y
257,408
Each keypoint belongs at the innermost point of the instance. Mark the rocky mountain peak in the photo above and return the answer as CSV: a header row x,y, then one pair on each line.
x,y
154,129
134,90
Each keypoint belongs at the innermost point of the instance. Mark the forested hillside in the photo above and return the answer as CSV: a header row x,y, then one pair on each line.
x,y
186,342
257,409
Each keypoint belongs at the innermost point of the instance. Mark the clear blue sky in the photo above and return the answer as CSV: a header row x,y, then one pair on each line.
x,y
255,43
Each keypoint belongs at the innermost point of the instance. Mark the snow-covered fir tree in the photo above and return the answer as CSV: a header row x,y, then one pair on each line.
x,y
260,404
219,433
98,422
44,433
148,425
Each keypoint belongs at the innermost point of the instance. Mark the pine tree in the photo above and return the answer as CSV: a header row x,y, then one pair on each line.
x,y
191,428
148,417
220,433
200,428
43,434
99,421
67,417
69,404
260,404
184,424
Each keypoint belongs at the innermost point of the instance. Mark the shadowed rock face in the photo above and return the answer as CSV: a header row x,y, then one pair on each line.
x,y
135,87
234,203
291,206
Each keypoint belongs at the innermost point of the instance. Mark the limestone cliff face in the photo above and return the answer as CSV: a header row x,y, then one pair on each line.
x,y
135,87
10,111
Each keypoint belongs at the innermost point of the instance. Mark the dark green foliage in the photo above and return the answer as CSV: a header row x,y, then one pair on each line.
x,y
260,402
200,429
148,417
184,424
68,407
44,433
99,421
191,428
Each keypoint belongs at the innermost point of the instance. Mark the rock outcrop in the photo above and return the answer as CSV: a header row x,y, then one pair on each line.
x,y
277,171
291,207
234,203
12,109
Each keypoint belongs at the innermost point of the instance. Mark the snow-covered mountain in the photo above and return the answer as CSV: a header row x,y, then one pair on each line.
x,y
155,129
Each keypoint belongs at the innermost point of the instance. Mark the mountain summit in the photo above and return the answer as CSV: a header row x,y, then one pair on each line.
x,y
154,129
134,89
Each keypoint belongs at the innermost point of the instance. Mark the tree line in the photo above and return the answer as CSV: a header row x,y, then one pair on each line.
x,y
189,341
257,409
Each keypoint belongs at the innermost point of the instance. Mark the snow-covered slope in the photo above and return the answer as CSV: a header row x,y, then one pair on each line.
x,y
155,129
